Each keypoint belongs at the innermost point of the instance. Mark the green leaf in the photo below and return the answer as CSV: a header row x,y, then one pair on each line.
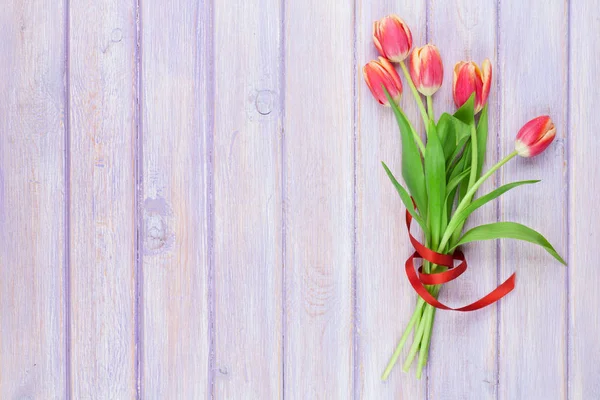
x,y
456,171
462,216
467,158
460,146
447,133
466,113
453,183
405,198
482,135
508,230
435,180
412,166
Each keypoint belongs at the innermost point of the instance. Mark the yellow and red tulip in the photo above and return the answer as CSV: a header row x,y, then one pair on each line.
x,y
379,74
469,79
392,38
426,69
535,136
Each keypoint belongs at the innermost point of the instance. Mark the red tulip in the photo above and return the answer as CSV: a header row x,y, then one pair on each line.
x,y
535,136
468,78
392,38
426,69
382,72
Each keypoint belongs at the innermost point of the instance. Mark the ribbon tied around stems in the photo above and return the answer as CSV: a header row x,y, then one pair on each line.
x,y
418,281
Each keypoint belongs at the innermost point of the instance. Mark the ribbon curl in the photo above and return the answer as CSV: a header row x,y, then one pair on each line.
x,y
446,260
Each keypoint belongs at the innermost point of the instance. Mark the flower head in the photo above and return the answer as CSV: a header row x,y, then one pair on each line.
x,y
469,79
535,136
392,38
380,74
426,69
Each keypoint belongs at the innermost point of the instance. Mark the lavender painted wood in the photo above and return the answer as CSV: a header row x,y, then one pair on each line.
x,y
175,117
32,201
533,329
248,201
102,39
384,296
583,164
464,348
319,221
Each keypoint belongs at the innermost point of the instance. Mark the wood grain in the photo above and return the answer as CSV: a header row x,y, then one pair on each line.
x,y
32,200
533,77
384,296
319,221
584,219
247,175
176,115
102,40
464,345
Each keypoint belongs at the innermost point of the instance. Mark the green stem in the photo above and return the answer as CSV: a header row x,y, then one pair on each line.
x,y
426,340
430,108
415,135
415,93
465,201
416,317
417,340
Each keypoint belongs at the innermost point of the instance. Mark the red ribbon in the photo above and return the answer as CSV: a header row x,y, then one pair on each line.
x,y
452,272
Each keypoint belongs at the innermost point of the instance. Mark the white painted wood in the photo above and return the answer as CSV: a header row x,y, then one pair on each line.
x,y
318,163
102,107
462,361
533,330
385,298
584,148
32,200
247,176
175,100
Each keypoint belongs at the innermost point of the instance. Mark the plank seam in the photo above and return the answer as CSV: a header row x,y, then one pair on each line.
x,y
282,87
427,38
567,151
355,315
138,192
67,206
498,203
210,188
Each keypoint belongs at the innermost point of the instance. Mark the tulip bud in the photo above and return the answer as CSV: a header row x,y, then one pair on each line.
x,y
426,69
468,78
535,136
392,38
382,72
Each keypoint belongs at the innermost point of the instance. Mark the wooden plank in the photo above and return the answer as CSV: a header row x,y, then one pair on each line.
x,y
318,232
175,122
247,176
102,39
32,200
462,362
533,327
584,323
384,296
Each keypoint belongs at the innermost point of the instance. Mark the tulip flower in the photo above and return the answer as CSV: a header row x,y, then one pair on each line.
x,y
426,69
535,136
379,74
392,38
469,79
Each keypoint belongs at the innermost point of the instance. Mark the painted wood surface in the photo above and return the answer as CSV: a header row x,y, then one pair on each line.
x,y
101,78
584,185
192,203
174,138
33,254
533,334
248,200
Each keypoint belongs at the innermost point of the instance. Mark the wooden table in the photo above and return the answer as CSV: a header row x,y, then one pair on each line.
x,y
192,203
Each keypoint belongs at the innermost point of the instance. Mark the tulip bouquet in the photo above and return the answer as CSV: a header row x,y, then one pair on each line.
x,y
443,173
